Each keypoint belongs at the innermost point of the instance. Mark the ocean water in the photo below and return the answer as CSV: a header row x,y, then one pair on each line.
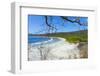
x,y
35,39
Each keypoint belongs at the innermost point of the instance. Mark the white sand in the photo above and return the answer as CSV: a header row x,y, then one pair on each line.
x,y
57,50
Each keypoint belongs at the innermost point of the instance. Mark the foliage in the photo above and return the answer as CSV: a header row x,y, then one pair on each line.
x,y
73,37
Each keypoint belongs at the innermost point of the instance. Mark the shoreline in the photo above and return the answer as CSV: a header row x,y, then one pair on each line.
x,y
54,51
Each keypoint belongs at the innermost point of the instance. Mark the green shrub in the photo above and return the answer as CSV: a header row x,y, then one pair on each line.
x,y
73,37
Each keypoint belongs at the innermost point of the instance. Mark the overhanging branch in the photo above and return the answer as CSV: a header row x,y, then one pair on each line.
x,y
77,20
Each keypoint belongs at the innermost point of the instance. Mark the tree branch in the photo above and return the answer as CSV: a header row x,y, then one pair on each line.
x,y
49,25
77,20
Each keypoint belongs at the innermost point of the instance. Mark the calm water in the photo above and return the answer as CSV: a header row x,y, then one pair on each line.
x,y
34,39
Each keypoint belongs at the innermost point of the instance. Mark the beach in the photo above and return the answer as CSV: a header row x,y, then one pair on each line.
x,y
58,50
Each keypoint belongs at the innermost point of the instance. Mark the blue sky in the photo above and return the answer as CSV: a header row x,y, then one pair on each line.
x,y
36,24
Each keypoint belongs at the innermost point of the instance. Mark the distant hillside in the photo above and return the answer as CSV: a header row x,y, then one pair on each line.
x,y
82,31
77,36
68,33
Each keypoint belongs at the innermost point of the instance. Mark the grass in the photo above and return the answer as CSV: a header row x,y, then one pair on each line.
x,y
72,37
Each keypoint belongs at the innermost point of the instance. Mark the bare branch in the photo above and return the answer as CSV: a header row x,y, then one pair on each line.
x,y
51,27
76,20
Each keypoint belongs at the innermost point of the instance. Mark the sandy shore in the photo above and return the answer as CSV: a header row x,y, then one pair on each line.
x,y
60,49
